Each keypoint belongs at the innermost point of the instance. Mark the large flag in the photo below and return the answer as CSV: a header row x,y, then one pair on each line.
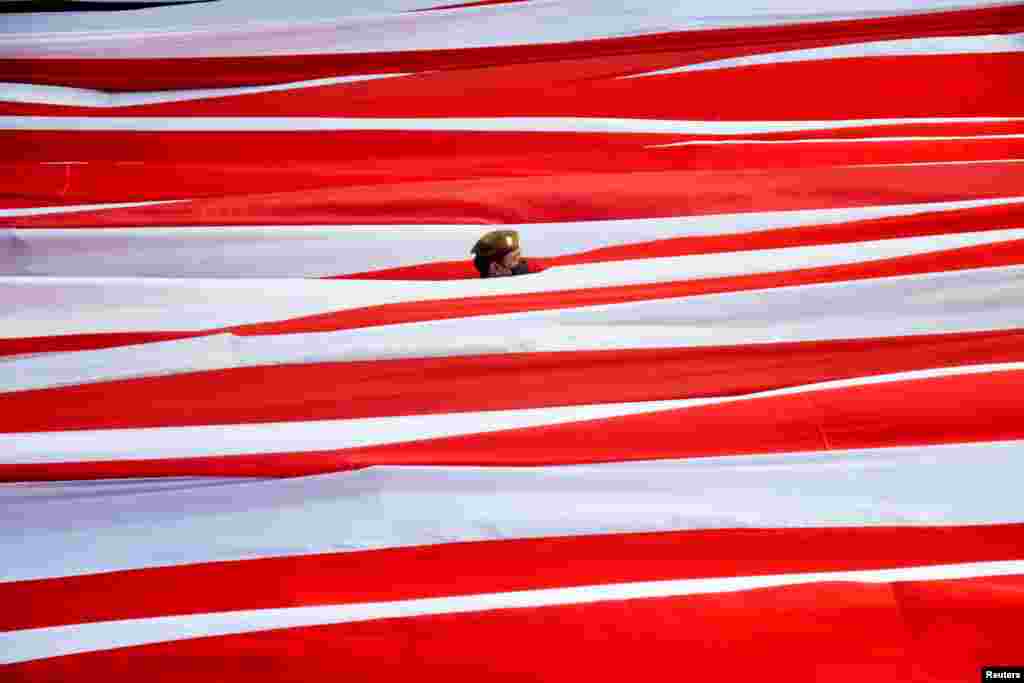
x,y
754,414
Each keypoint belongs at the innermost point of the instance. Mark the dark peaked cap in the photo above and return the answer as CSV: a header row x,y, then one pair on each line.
x,y
496,244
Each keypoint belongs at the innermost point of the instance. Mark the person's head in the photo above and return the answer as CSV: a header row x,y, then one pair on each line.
x,y
497,253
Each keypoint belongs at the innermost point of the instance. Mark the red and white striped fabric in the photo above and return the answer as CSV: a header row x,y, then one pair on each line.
x,y
755,414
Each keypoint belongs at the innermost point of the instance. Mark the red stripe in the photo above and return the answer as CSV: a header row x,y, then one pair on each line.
x,y
40,183
493,566
810,155
174,73
575,196
356,157
81,342
461,154
991,255
842,632
219,165
956,409
853,88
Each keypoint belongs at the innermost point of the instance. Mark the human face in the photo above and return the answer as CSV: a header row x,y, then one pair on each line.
x,y
511,259
506,265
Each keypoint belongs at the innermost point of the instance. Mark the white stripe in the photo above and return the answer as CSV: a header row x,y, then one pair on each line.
x,y
316,251
912,47
225,440
933,138
71,208
56,641
525,124
242,27
30,93
95,530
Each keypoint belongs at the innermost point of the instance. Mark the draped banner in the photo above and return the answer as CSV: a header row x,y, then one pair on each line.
x,y
754,413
